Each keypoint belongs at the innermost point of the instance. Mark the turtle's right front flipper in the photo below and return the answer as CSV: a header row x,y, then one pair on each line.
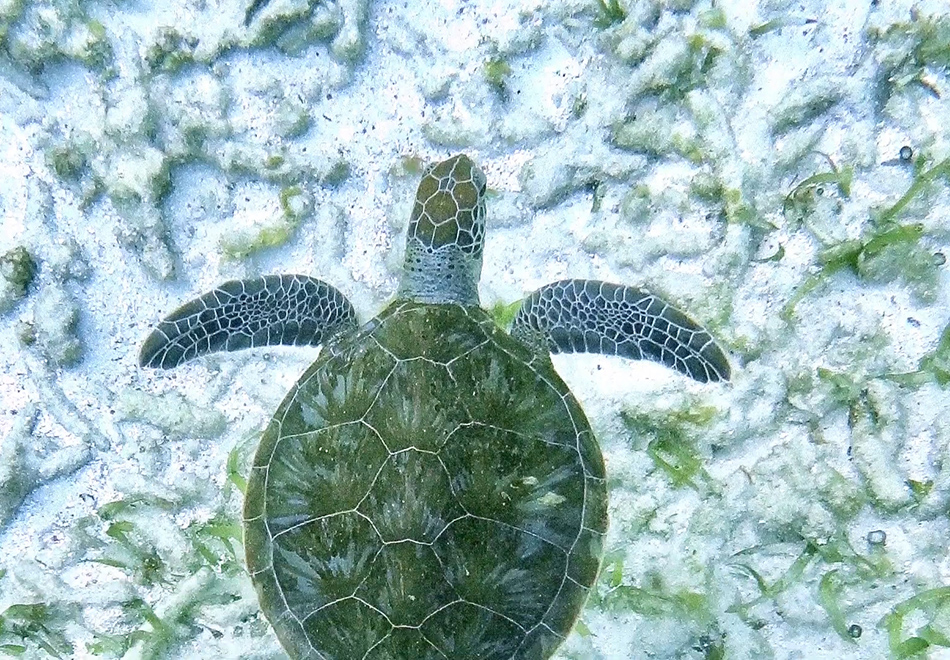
x,y
589,316
291,310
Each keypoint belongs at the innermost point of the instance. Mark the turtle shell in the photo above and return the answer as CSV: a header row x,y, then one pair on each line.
x,y
428,489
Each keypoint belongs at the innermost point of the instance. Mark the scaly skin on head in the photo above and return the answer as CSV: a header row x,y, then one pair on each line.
x,y
446,235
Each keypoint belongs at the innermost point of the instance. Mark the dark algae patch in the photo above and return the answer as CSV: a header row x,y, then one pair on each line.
x,y
18,270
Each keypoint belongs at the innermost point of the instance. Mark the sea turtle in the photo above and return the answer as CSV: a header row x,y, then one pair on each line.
x,y
429,488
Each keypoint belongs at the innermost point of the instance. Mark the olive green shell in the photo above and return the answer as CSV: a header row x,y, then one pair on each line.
x,y
428,489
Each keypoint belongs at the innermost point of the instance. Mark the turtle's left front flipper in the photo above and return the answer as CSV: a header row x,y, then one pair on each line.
x,y
589,316
292,310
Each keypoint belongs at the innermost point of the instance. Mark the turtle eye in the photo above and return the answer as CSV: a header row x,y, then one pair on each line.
x,y
450,208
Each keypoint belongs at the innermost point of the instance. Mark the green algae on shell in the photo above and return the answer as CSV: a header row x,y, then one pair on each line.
x,y
430,488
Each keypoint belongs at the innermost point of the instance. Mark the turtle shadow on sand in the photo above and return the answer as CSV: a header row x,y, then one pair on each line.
x,y
429,488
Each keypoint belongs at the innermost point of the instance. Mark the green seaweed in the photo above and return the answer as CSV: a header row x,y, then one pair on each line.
x,y
896,243
408,166
690,71
921,182
496,72
233,472
294,203
872,429
829,597
148,614
218,542
54,327
608,13
690,148
66,162
712,648
291,28
851,568
213,548
598,193
296,207
845,388
838,550
646,133
581,628
171,51
671,448
142,176
801,198
132,551
736,209
241,247
779,23
25,624
159,634
739,211
937,363
126,505
10,12
920,489
652,601
579,106
680,462
54,32
18,268
907,49
706,186
655,603
114,645
713,18
139,559
504,313
336,174
611,570
840,495
924,603
792,575
97,50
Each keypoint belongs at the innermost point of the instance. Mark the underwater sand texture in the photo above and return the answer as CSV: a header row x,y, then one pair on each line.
x,y
779,170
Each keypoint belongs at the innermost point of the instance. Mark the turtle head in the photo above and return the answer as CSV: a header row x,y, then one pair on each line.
x,y
446,235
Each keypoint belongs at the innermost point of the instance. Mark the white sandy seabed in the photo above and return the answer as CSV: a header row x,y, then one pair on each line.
x,y
741,159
